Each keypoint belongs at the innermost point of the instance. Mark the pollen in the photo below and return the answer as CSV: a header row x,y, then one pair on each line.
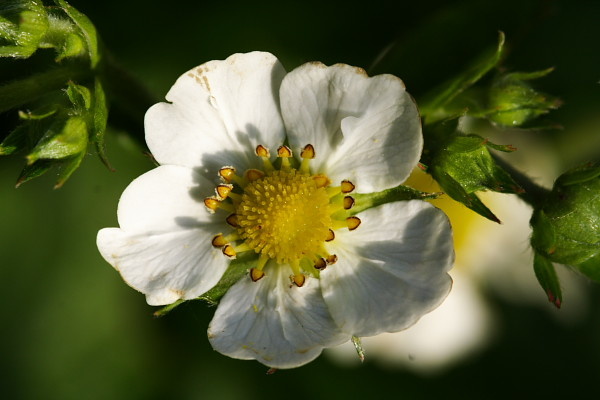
x,y
285,216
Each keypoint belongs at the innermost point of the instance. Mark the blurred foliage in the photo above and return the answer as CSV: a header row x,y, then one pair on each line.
x,y
73,330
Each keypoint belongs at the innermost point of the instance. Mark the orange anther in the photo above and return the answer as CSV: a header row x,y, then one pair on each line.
x,y
254,174
224,190
232,219
320,264
330,236
353,223
284,152
262,151
229,251
321,180
347,186
348,202
227,173
219,241
256,274
298,279
308,151
211,203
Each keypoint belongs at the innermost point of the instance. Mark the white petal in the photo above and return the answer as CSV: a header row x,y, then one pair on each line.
x,y
391,270
367,130
165,199
165,267
279,325
219,112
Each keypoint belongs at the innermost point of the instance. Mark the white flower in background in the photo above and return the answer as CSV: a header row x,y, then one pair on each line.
x,y
321,273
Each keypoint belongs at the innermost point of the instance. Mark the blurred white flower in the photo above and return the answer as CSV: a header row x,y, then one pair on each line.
x,y
321,274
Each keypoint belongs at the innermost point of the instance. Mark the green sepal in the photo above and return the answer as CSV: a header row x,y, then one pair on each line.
x,y
546,276
67,168
34,170
87,29
566,227
25,136
64,139
236,270
591,268
514,102
100,118
436,106
80,97
463,165
23,24
161,312
16,141
364,201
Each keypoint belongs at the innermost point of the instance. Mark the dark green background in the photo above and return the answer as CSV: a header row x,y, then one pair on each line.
x,y
71,329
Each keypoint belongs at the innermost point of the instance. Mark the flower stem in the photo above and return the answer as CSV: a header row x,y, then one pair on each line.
x,y
19,92
130,99
533,194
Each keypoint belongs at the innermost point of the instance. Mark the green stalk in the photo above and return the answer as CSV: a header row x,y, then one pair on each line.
x,y
17,93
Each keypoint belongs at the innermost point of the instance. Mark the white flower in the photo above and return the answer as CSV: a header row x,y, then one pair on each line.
x,y
322,274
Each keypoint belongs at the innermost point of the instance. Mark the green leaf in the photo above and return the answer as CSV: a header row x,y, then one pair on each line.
x,y
23,24
433,107
546,276
87,28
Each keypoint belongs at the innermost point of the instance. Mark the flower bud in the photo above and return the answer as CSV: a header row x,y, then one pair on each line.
x,y
23,25
515,102
566,228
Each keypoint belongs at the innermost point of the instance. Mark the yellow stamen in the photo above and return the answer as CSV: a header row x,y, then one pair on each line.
x,y
347,186
262,151
224,190
229,251
320,264
232,220
298,279
348,202
256,274
254,174
307,154
212,203
353,223
227,173
219,240
330,236
285,153
321,180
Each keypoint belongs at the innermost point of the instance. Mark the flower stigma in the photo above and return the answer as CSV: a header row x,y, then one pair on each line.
x,y
283,213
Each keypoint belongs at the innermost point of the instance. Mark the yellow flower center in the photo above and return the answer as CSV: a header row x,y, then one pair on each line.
x,y
284,214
